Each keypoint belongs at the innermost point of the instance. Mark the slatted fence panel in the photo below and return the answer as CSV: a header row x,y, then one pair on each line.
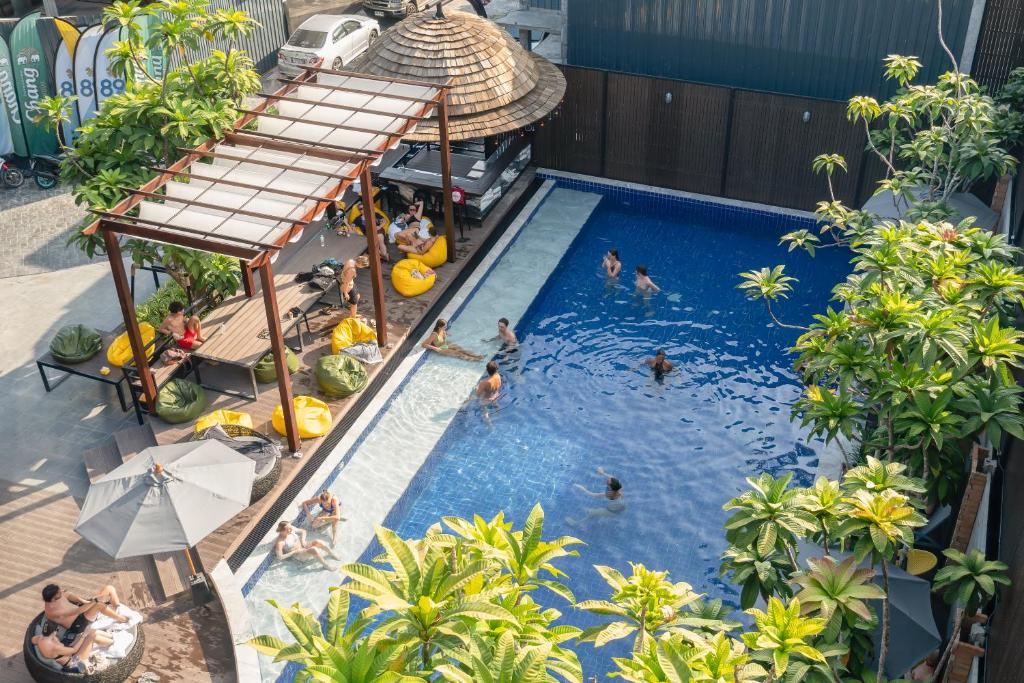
x,y
679,143
1001,42
574,140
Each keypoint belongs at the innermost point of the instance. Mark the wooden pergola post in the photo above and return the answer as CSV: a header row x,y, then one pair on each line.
x,y
131,323
248,286
376,280
446,174
284,380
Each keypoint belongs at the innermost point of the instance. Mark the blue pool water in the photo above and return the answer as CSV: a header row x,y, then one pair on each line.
x,y
575,398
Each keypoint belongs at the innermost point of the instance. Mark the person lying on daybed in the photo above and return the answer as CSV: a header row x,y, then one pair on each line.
x,y
77,614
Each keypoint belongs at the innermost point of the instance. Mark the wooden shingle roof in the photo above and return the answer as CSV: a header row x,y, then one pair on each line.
x,y
496,85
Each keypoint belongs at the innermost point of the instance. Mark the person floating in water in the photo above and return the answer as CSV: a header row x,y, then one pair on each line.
x,y
488,389
611,263
643,282
660,365
612,494
438,343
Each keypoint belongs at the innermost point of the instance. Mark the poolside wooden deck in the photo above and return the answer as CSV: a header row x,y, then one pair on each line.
x,y
183,642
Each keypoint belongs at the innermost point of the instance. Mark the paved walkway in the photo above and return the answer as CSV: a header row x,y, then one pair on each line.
x,y
42,481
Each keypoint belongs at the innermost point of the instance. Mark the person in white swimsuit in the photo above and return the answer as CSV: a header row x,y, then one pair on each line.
x,y
291,542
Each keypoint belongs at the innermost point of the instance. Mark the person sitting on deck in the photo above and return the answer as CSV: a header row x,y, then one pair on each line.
x,y
76,614
187,333
330,513
74,654
291,542
438,343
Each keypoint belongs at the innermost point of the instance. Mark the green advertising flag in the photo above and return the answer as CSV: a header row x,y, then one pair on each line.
x,y
32,81
9,98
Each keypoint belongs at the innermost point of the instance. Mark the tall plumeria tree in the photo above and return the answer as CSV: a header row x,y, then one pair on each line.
x,y
914,359
162,110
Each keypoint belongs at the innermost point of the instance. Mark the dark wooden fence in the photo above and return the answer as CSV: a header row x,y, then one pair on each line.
x,y
741,144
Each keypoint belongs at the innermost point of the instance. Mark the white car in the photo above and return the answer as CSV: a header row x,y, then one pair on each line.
x,y
327,40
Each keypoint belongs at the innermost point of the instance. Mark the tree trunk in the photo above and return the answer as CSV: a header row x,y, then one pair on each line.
x,y
954,636
883,650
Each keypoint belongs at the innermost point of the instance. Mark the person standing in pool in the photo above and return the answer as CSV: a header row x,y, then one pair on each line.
x,y
488,389
612,494
660,365
611,263
644,284
438,343
505,335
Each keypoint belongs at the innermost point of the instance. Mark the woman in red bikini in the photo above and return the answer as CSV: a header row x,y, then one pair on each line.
x,y
188,333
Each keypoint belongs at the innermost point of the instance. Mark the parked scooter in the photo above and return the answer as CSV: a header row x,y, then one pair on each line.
x,y
11,175
46,170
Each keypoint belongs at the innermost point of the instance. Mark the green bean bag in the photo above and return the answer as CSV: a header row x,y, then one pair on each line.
x,y
180,401
340,376
265,371
75,344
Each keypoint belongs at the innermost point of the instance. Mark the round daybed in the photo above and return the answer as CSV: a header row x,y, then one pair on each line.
x,y
120,350
434,257
266,372
180,401
223,417
407,285
351,331
340,376
75,344
312,415
256,446
47,671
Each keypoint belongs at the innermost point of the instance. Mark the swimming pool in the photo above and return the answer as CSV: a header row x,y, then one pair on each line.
x,y
576,398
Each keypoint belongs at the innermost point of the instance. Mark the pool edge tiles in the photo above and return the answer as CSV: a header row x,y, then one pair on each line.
x,y
369,484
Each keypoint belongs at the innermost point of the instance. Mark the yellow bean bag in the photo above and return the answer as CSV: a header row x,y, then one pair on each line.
x,y
351,331
312,415
120,350
407,285
381,219
435,256
223,417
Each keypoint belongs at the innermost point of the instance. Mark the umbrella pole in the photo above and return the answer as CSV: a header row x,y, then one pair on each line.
x,y
191,565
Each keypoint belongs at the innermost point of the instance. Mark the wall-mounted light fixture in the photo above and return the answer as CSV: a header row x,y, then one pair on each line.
x,y
807,117
668,98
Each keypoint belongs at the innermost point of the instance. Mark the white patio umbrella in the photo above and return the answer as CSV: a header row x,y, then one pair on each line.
x,y
166,498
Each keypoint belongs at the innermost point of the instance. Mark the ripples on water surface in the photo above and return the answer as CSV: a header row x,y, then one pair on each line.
x,y
575,399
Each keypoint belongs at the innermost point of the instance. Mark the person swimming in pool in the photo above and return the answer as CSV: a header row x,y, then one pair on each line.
x,y
438,343
611,263
505,335
659,365
612,494
644,283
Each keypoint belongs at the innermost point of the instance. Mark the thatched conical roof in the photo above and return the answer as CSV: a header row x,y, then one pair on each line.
x,y
497,86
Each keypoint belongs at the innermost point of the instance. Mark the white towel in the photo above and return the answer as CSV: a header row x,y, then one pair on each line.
x,y
105,623
120,647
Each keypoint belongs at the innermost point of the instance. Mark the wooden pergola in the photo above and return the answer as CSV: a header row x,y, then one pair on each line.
x,y
270,176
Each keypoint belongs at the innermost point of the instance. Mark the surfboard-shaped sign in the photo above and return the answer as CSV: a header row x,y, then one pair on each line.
x,y
107,82
155,63
85,59
32,82
9,102
58,38
64,76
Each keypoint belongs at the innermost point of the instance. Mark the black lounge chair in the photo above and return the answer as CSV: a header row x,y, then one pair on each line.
x,y
45,670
